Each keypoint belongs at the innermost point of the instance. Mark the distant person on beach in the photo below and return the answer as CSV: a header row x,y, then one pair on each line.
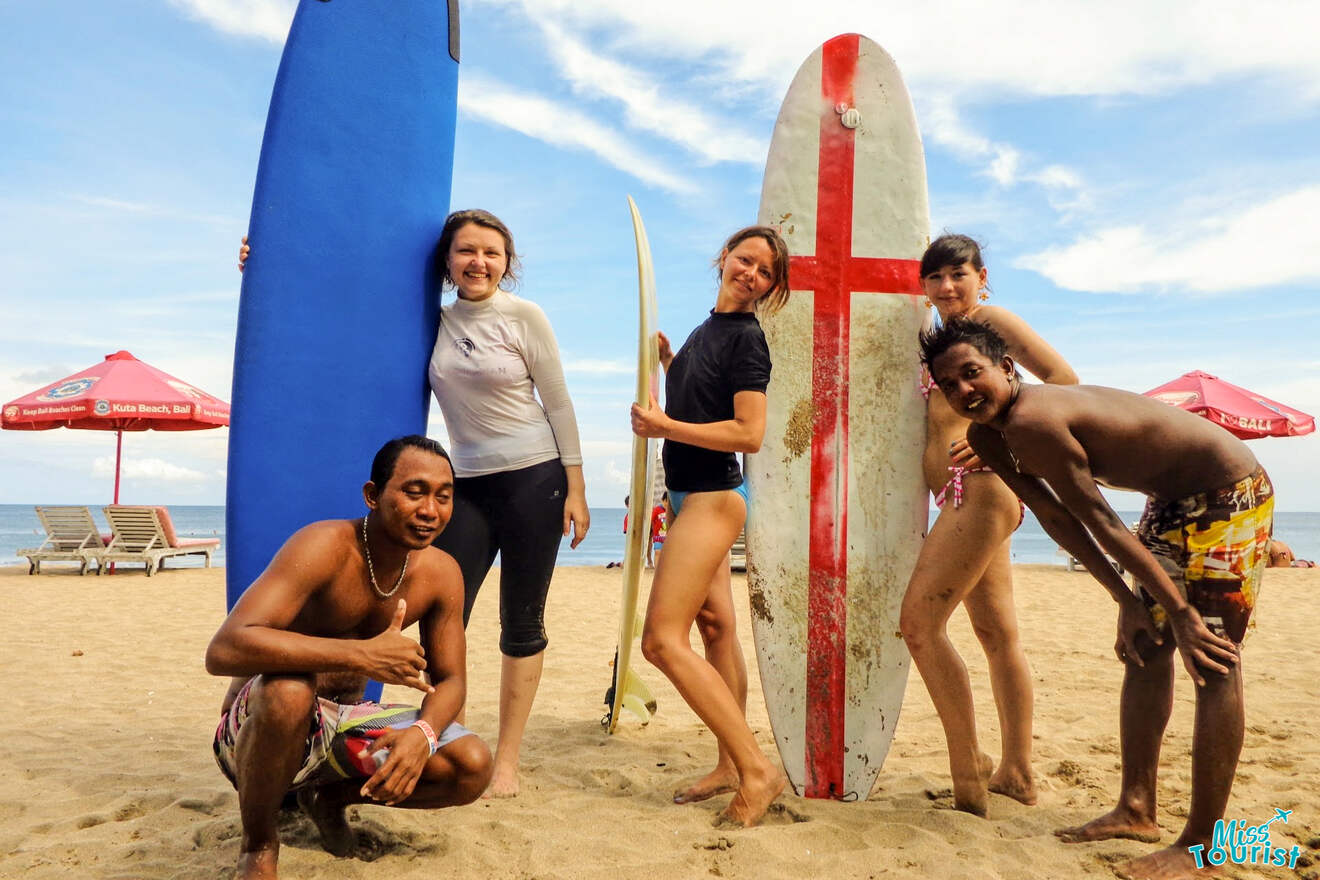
x,y
517,459
1281,556
965,558
658,524
626,499
716,405
656,537
302,641
1197,557
661,516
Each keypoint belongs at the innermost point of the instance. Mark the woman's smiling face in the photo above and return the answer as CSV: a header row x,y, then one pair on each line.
x,y
954,290
747,272
477,261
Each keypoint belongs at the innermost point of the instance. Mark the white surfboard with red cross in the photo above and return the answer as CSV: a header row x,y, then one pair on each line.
x,y
838,505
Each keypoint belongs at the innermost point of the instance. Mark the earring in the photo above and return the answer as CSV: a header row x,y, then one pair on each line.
x,y
929,304
985,295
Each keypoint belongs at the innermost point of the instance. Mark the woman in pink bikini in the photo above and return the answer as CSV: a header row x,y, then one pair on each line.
x,y
965,558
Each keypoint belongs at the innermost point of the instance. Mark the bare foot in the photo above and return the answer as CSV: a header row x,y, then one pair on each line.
x,y
754,797
258,865
1119,822
504,783
971,795
1020,788
337,838
1173,863
722,780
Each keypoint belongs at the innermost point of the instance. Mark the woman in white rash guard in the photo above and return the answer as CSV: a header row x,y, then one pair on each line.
x,y
517,463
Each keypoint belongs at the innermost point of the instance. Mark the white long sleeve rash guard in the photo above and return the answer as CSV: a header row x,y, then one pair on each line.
x,y
489,357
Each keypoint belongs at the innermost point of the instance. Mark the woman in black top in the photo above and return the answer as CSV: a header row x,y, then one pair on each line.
x,y
715,388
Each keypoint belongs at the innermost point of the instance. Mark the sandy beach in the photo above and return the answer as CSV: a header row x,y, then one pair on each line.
x,y
111,776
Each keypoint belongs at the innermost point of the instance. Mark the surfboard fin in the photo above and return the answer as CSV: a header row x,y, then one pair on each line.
x,y
637,698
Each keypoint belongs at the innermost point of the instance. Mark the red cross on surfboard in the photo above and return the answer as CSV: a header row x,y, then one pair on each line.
x,y
833,274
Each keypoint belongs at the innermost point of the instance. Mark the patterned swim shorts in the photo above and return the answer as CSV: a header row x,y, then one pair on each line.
x,y
1213,546
336,733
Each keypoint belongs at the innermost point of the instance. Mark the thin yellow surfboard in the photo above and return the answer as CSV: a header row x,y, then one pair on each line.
x,y
628,691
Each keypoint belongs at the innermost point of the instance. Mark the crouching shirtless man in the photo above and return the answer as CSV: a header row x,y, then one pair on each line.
x,y
325,616
1197,557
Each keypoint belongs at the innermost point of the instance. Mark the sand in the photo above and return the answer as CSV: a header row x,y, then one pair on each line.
x,y
110,775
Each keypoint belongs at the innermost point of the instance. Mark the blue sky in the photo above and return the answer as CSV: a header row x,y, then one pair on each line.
x,y
1144,175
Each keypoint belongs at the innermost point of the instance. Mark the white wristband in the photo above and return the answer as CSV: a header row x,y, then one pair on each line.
x,y
429,732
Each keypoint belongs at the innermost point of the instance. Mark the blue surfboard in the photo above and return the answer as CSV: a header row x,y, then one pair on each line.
x,y
339,303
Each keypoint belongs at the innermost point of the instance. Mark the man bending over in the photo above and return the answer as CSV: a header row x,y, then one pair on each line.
x,y
1197,556
325,616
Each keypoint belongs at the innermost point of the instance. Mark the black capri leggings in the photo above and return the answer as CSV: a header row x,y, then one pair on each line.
x,y
520,515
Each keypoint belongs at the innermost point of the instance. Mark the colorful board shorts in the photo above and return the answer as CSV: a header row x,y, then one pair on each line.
x,y
335,734
1214,547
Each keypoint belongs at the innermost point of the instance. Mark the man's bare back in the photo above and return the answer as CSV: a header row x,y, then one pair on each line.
x,y
1131,442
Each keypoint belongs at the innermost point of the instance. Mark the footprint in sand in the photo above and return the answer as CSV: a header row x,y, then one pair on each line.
x,y
213,834
614,780
783,814
136,804
207,806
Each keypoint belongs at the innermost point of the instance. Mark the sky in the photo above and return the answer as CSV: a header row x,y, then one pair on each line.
x,y
1144,176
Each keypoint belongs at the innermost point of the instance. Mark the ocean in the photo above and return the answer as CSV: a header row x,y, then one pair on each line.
x,y
19,527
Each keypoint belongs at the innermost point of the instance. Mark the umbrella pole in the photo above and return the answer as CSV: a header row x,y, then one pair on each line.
x,y
119,452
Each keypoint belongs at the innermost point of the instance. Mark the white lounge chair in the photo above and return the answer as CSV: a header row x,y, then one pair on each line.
x,y
1074,564
71,536
738,553
146,535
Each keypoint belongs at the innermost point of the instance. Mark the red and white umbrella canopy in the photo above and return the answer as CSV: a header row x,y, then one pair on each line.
x,y
1245,413
119,394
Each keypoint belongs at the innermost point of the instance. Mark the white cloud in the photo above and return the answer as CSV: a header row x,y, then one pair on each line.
x,y
149,469
143,209
1030,47
563,126
616,475
943,124
1005,164
598,367
601,448
685,123
1222,253
1057,176
42,376
264,19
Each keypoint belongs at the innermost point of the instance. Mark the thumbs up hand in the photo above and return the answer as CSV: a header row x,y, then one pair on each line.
x,y
393,658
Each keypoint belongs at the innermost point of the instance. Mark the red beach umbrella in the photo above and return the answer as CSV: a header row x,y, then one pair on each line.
x,y
1244,413
119,394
